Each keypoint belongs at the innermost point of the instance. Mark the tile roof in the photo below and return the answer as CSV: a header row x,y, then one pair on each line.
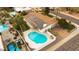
x,y
39,19
43,18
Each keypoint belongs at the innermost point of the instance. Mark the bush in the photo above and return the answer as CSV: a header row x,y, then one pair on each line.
x,y
23,13
50,15
46,10
65,25
70,27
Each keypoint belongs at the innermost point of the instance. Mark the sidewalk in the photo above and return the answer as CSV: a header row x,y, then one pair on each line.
x,y
69,15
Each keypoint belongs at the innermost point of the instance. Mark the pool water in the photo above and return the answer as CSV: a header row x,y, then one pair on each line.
x,y
3,27
37,37
12,47
17,49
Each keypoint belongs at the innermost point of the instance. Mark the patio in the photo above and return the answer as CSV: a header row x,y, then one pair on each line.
x,y
60,35
34,46
59,32
10,37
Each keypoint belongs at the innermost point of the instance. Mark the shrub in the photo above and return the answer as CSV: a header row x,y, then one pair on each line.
x,y
23,13
46,10
50,15
65,25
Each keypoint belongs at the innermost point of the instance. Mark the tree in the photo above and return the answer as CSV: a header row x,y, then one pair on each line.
x,y
23,13
20,24
46,10
65,25
8,9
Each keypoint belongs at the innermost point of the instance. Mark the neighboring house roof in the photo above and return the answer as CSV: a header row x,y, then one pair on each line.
x,y
39,20
21,8
12,13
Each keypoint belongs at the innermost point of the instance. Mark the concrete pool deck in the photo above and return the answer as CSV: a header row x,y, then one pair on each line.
x,y
38,46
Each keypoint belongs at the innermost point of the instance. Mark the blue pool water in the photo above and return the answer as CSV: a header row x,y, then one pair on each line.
x,y
17,49
3,27
37,37
11,47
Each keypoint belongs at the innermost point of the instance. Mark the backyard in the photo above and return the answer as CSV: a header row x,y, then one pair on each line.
x,y
62,29
16,21
59,32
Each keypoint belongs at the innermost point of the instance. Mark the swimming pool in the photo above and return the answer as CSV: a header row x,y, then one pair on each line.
x,y
37,37
3,27
12,47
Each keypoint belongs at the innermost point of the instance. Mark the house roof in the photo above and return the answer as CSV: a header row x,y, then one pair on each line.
x,y
39,20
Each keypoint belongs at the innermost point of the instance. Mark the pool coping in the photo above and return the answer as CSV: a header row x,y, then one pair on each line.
x,y
43,45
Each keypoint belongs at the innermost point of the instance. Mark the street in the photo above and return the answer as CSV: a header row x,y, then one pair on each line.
x,y
67,17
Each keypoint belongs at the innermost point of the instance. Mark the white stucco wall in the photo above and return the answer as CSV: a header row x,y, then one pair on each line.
x,y
48,27
1,45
